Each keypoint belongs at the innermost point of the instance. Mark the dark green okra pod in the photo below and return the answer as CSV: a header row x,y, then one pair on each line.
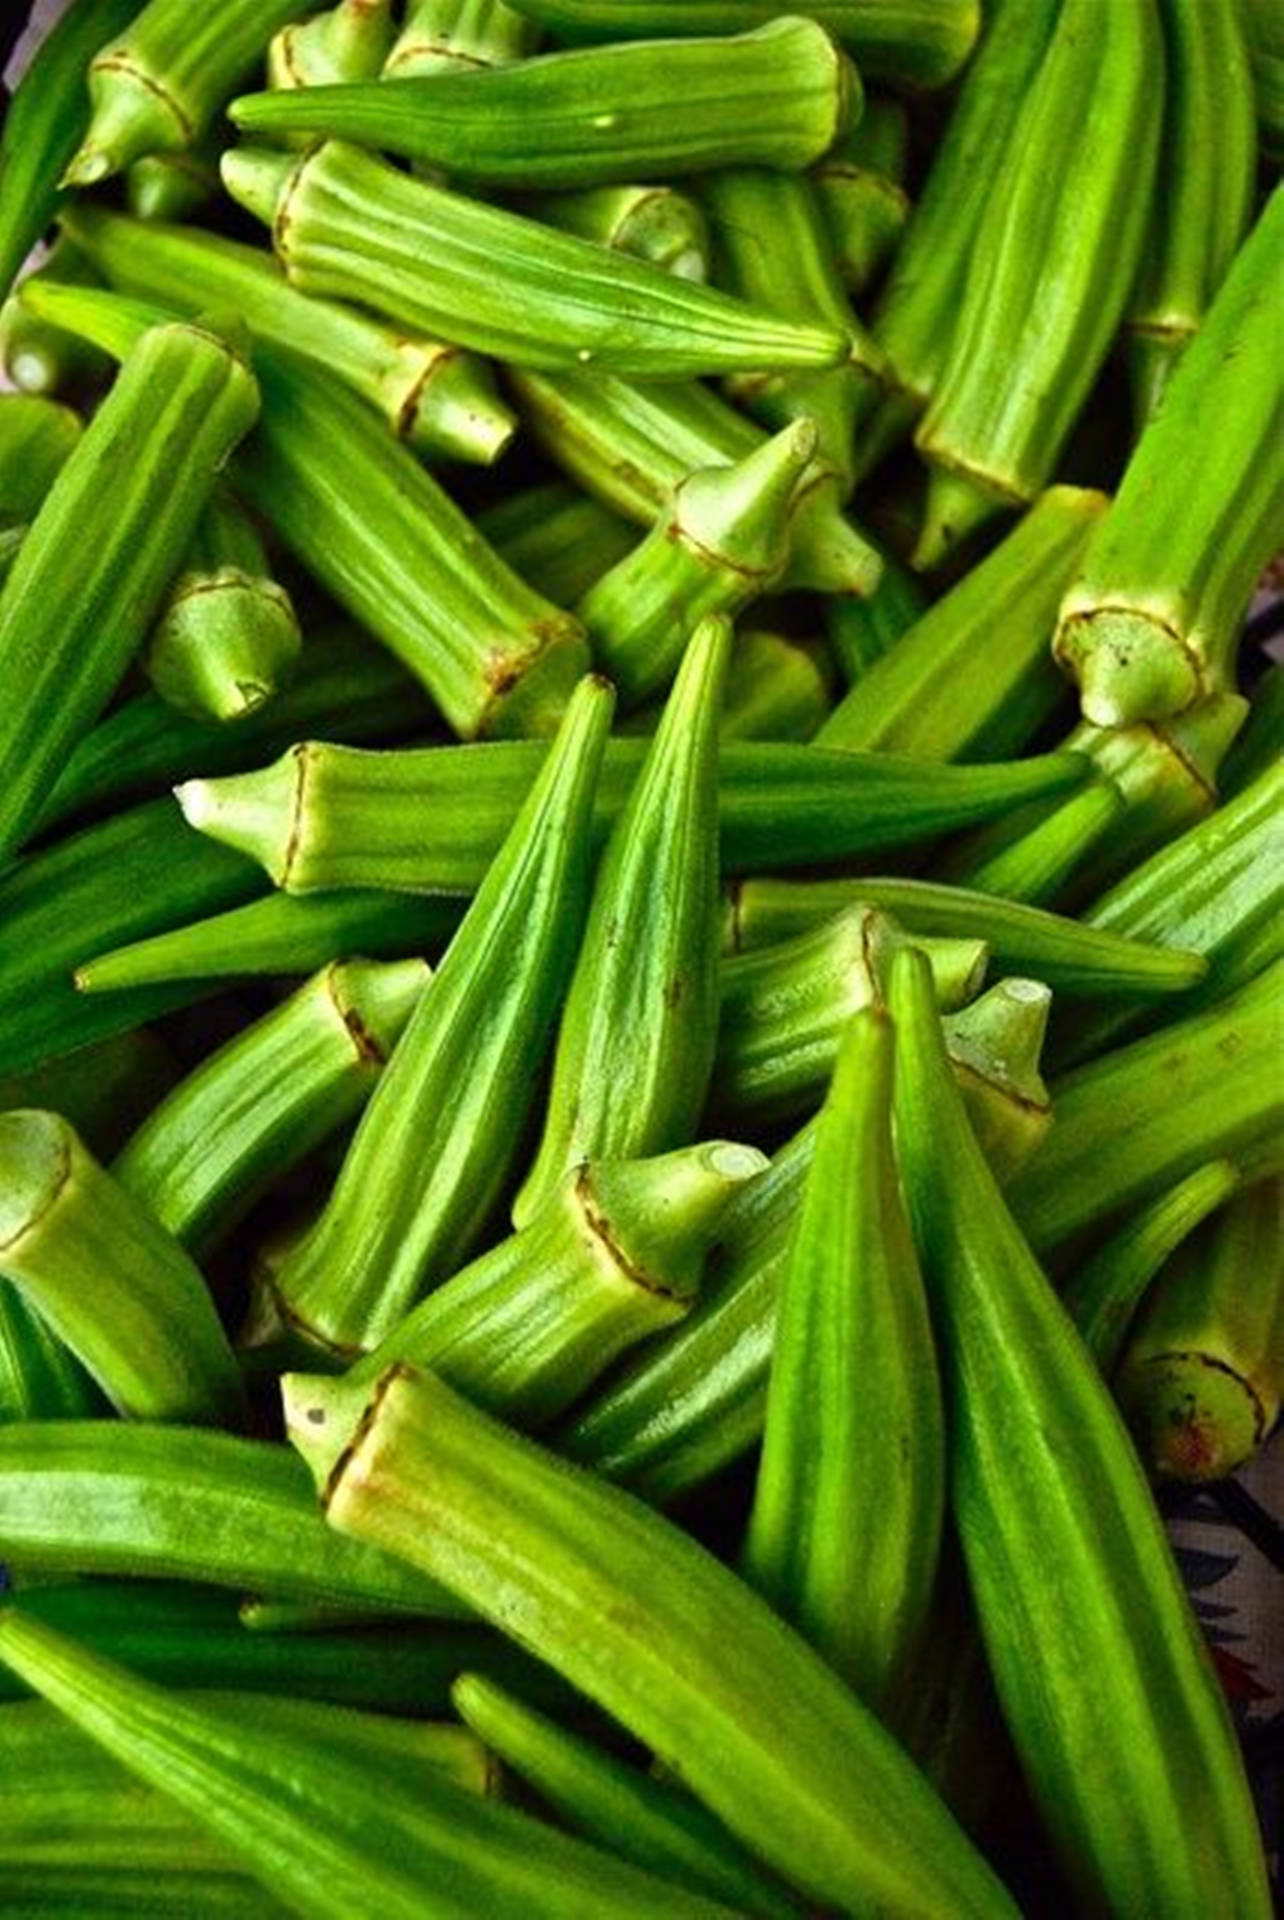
x,y
861,631
127,501
774,97
113,1285
557,539
37,438
347,42
859,185
848,1503
39,356
228,636
658,224
1043,1475
350,226
1152,621
636,1615
40,1378
261,1103
636,1038
1260,741
104,1091
1050,272
439,1138
1265,39
174,186
778,688
441,36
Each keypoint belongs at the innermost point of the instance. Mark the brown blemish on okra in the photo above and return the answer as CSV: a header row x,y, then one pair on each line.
x,y
316,1417
408,412
1194,1443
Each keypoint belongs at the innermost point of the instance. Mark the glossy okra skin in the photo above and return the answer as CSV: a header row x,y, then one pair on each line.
x,y
913,43
152,1502
1142,1790
44,122
648,1821
1208,163
636,1038
347,42
324,816
659,224
1201,1376
859,185
652,1628
441,36
322,1829
1050,272
157,86
849,1498
1151,622
775,97
438,1140
127,498
228,636
348,225
435,397
972,675
37,438
113,1285
39,356
40,1378
260,1104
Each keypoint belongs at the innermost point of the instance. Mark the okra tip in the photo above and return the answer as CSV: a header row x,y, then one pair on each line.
x,y
132,116
325,1414
957,506
1129,663
455,410
259,179
259,814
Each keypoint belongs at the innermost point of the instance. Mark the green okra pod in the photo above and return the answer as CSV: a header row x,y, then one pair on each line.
x,y
128,496
183,1503
615,1254
774,97
228,636
260,1104
325,816
47,1892
648,1821
1104,1292
435,397
11,539
909,43
1152,620
1207,164
321,1829
1043,1475
1201,1376
158,85
1136,1119
630,446
777,688
1050,273
721,542
104,1090
348,225
994,1047
37,438
1260,741
44,122
1265,39
39,356
658,224
862,631
845,1529
112,1284
441,36
174,186
636,1615
636,1037
1036,868
860,187
40,1378
559,540
347,42
972,675
439,1138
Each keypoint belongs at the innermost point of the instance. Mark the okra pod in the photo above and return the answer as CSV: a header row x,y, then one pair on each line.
x,y
994,1047
1260,741
347,42
41,357
350,226
1141,1787
1152,620
909,43
1201,1377
1207,164
40,1378
325,816
1050,272
261,1103
174,186
862,631
1036,868
138,1893
128,498
777,688
774,97
104,1091
845,1529
11,539
320,1829
1266,57
636,1615
37,438
972,674
157,86
228,636
557,539
440,1136
441,36
658,224
860,187
636,1038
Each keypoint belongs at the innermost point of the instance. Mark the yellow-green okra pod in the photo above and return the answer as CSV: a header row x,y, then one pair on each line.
x,y
261,1103
113,1285
658,224
845,1530
348,225
1050,272
1152,620
1207,165
350,41
775,97
323,1830
127,500
1141,1785
438,1140
654,1629
441,36
636,1038
859,185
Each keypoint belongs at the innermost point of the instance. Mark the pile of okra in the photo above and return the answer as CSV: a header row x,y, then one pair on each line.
x,y
641,953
